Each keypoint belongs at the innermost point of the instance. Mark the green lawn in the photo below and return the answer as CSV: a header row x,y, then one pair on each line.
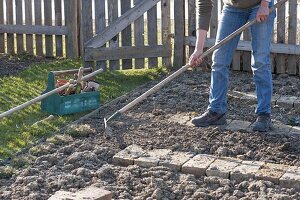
x,y
17,132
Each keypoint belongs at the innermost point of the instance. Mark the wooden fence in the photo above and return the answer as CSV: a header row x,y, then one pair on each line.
x,y
36,27
285,49
125,34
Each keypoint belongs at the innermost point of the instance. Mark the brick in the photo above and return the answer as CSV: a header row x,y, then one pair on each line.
x,y
291,179
238,125
94,193
295,130
62,195
286,101
279,128
175,160
198,164
151,158
126,157
249,97
246,170
271,172
275,97
222,167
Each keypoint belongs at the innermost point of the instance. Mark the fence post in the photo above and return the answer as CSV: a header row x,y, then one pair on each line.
x,y
179,21
71,23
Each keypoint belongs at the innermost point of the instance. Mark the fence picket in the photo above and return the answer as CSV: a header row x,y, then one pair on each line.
x,y
19,21
191,21
48,22
152,33
2,46
100,24
292,35
166,30
280,59
87,25
58,22
113,15
126,34
38,21
28,21
246,56
9,20
139,38
179,53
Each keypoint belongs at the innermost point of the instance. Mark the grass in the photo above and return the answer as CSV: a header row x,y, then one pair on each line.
x,y
17,132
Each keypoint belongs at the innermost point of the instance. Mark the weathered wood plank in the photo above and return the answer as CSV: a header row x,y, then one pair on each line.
x,y
192,22
166,30
126,34
100,23
152,33
86,25
58,22
126,52
114,42
236,61
121,23
38,21
2,45
246,46
31,29
280,59
139,38
28,21
9,20
292,35
179,53
48,22
214,19
19,21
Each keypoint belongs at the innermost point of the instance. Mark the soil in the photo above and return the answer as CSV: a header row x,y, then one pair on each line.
x,y
10,65
70,163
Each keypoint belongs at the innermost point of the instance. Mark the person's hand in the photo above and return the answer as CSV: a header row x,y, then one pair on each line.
x,y
263,11
195,59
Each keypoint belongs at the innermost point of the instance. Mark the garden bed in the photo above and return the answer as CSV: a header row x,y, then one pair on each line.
x,y
83,155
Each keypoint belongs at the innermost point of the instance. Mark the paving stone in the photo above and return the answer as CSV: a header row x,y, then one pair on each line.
x,y
291,179
279,128
295,130
222,167
297,103
151,158
271,172
180,119
246,170
249,97
175,160
238,125
93,193
62,195
286,101
126,157
198,164
89,193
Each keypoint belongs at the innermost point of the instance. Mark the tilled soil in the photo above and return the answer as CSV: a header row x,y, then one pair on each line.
x,y
71,163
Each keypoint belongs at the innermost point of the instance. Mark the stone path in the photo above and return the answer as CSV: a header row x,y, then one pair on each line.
x,y
209,165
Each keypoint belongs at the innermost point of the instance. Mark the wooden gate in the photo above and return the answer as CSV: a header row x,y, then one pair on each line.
x,y
130,38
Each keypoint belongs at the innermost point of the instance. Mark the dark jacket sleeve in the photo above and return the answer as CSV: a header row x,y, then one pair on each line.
x,y
204,11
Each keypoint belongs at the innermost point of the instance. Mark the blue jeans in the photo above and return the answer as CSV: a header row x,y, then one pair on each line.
x,y
232,19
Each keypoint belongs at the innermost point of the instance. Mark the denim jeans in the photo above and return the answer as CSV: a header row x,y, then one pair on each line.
x,y
261,33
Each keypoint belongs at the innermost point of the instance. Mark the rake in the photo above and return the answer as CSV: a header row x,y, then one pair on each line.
x,y
155,88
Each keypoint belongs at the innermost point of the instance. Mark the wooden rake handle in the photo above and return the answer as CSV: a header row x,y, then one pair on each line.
x,y
43,96
184,68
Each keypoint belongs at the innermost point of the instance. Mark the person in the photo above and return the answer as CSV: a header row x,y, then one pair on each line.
x,y
235,14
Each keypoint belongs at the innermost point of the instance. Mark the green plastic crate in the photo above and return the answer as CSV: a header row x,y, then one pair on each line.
x,y
62,105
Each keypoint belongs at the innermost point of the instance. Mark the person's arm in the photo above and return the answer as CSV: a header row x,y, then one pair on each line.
x,y
204,13
263,11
